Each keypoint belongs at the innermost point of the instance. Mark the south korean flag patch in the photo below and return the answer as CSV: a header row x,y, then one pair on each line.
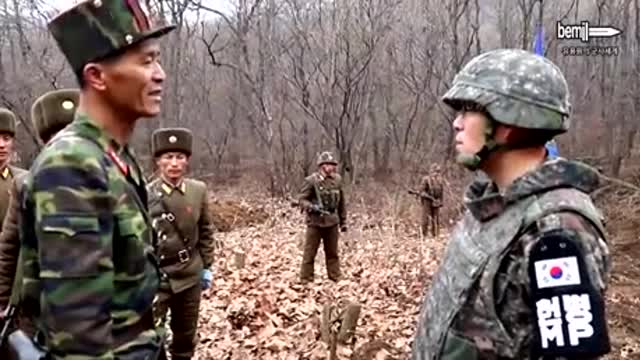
x,y
569,310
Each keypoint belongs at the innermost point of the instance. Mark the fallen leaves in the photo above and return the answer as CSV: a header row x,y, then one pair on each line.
x,y
261,311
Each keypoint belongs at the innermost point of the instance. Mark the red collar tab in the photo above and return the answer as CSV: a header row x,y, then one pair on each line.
x,y
116,159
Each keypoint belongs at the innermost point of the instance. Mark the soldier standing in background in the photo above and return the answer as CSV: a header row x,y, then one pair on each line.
x,y
7,172
525,272
90,274
323,199
49,114
9,176
180,212
431,198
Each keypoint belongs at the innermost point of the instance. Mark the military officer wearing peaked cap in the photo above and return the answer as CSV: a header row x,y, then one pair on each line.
x,y
525,271
49,114
86,237
180,212
8,172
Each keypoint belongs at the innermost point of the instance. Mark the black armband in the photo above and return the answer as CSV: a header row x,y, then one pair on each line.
x,y
569,310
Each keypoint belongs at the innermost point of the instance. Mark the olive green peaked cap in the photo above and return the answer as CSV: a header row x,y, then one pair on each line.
x,y
95,29
7,121
53,111
171,139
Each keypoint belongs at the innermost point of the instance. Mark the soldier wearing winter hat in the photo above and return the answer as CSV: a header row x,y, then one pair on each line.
x,y
179,208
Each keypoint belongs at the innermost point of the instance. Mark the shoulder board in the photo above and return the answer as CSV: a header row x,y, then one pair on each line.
x,y
313,178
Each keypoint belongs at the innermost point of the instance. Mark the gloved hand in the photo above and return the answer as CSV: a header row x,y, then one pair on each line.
x,y
315,208
206,279
343,228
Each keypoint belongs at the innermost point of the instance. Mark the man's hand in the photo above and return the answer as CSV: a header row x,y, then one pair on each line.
x,y
207,279
315,208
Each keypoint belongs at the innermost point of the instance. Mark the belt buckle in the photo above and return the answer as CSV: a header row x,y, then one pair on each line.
x,y
183,255
169,216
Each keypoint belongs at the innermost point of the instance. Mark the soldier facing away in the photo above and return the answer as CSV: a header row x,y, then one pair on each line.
x,y
49,114
431,198
525,271
322,197
180,212
90,274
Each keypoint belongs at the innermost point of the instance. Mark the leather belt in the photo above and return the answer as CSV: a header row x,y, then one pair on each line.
x,y
180,257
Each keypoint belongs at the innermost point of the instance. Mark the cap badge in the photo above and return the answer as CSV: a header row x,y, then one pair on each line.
x,y
68,105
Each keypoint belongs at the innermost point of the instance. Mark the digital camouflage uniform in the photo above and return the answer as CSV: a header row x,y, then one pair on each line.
x,y
90,274
185,230
49,114
431,199
525,271
325,193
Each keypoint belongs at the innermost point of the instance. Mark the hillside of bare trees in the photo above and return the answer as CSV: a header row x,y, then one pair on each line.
x,y
268,84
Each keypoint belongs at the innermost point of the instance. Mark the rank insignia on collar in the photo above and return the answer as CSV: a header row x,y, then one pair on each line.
x,y
116,159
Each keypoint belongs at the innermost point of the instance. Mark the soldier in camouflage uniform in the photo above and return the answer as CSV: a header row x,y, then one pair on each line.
x,y
180,212
525,272
431,197
90,274
7,172
323,199
49,114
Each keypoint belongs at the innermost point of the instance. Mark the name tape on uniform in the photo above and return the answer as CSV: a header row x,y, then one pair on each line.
x,y
557,272
574,316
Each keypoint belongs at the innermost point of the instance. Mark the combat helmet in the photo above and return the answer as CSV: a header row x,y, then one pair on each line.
x,y
326,157
515,87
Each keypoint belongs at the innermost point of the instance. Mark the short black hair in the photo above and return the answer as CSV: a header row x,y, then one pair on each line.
x,y
110,58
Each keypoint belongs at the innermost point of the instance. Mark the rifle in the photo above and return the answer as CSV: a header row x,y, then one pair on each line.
x,y
9,317
320,210
421,194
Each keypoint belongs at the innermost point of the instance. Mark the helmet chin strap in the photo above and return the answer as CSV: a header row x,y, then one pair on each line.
x,y
473,161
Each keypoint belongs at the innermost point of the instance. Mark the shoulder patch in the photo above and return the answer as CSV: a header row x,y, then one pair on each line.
x,y
568,309
557,272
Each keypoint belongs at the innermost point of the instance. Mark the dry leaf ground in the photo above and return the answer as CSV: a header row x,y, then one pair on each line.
x,y
262,312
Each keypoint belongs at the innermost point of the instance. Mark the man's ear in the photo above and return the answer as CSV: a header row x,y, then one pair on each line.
x,y
504,133
94,76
